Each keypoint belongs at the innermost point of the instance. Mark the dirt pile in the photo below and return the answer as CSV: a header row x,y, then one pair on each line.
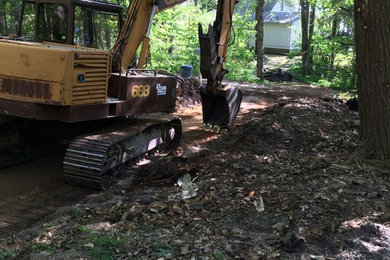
x,y
188,92
284,184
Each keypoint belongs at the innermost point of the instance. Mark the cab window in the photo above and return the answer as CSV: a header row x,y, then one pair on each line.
x,y
84,31
28,22
52,22
94,28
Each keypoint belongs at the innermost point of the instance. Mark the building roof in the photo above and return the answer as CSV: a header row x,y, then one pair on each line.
x,y
269,6
281,17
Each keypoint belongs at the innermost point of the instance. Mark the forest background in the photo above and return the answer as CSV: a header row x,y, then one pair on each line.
x,y
331,61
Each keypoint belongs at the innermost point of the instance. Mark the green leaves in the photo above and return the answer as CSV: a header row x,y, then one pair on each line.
x,y
4,254
333,46
174,37
174,41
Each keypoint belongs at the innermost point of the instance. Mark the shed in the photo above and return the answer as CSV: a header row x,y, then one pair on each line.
x,y
282,27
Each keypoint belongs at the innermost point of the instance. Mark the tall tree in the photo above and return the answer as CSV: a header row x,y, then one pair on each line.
x,y
15,15
312,19
372,19
259,38
3,23
305,8
333,35
308,15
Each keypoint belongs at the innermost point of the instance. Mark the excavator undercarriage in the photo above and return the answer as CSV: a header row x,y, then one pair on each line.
x,y
89,159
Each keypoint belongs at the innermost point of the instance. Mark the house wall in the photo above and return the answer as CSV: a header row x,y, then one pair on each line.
x,y
277,36
296,31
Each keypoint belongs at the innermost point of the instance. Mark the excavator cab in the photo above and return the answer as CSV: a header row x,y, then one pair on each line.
x,y
73,22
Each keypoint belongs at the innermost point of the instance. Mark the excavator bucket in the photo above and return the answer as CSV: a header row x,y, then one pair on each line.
x,y
220,108
220,104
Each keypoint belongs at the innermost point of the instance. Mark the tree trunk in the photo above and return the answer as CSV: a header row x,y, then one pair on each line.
x,y
335,24
107,36
354,76
311,33
2,18
15,14
259,38
372,19
305,36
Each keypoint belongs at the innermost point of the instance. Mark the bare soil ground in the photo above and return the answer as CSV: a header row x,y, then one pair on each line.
x,y
275,61
285,183
31,191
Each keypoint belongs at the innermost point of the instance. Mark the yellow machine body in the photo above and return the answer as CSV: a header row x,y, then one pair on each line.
x,y
51,73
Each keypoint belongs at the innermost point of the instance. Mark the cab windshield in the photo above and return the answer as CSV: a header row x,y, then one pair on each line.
x,y
95,28
52,22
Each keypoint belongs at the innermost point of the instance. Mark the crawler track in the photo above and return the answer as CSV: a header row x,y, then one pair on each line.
x,y
89,159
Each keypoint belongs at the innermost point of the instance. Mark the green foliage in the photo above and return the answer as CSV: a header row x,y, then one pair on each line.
x,y
83,229
218,255
9,16
206,4
74,212
343,78
175,38
100,253
175,42
241,61
162,248
293,53
4,254
333,45
103,246
39,247
106,242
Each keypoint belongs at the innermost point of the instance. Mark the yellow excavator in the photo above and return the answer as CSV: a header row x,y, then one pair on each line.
x,y
61,73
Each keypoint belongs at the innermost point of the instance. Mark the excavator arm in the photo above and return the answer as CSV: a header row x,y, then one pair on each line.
x,y
136,29
215,43
220,103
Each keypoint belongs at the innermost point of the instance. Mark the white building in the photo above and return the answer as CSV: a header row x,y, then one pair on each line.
x,y
282,27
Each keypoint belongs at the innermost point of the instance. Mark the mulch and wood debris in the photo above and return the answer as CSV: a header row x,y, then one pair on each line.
x,y
287,182
187,92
